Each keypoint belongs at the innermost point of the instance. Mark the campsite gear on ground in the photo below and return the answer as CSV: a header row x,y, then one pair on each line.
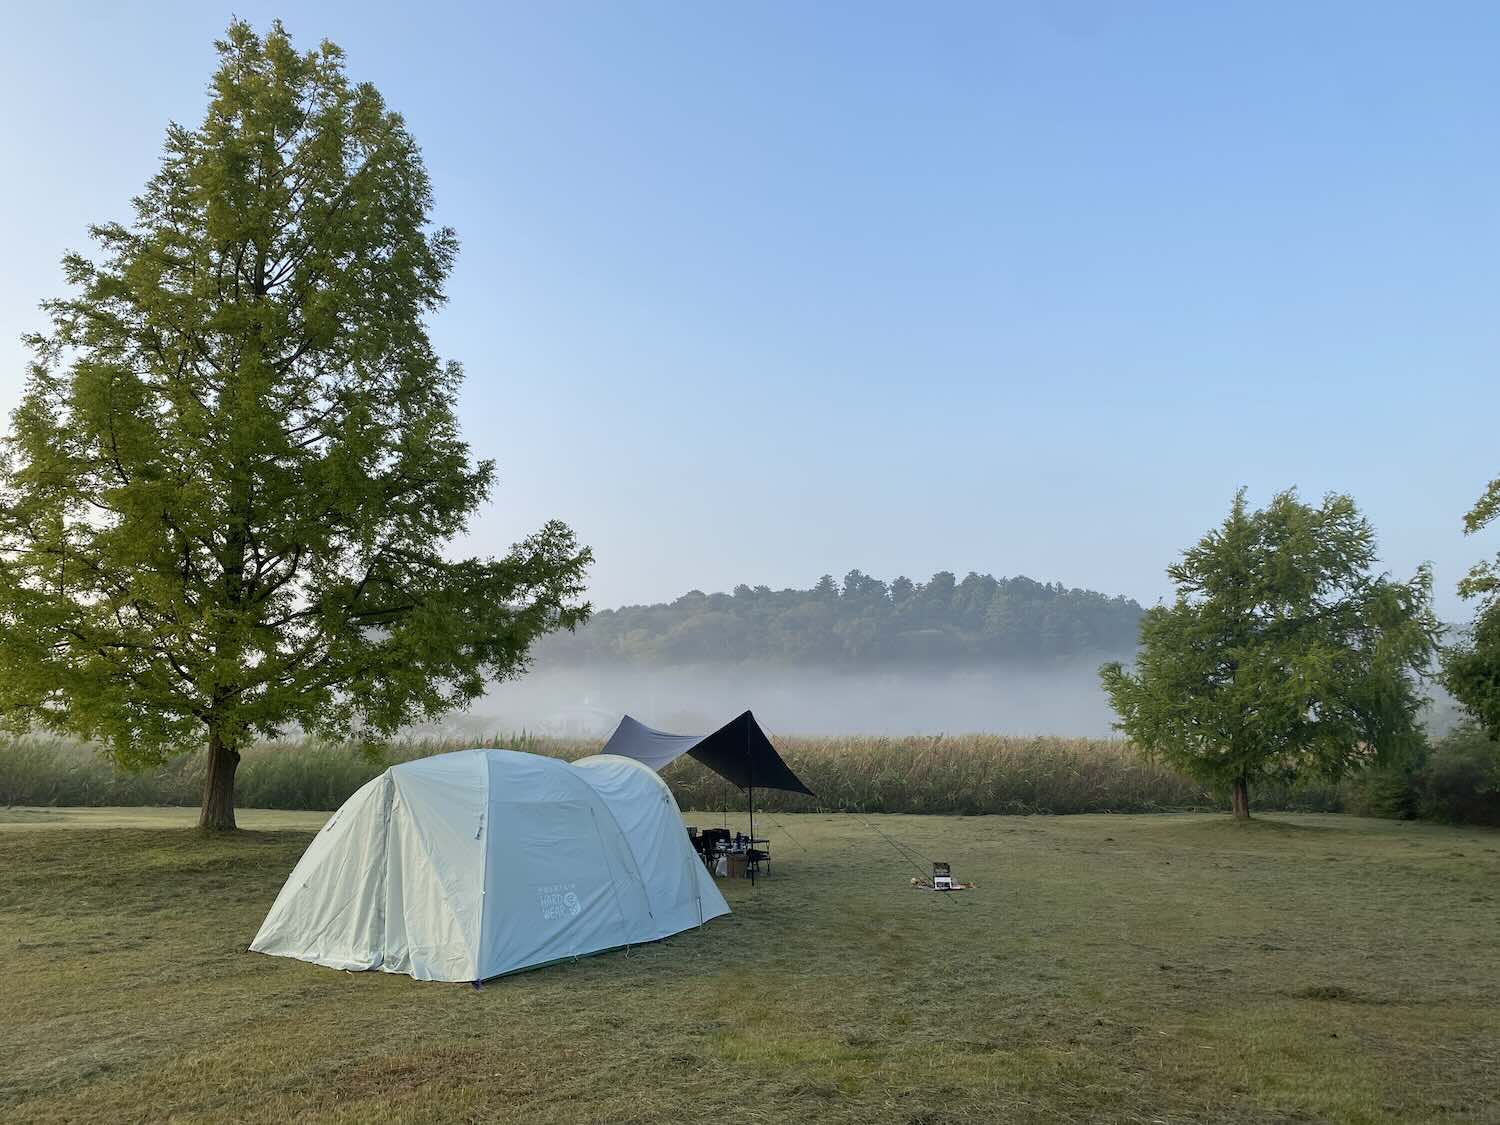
x,y
751,855
468,865
699,842
753,852
926,885
739,752
712,841
919,881
942,880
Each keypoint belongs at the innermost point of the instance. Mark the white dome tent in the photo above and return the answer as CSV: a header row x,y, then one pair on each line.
x,y
470,865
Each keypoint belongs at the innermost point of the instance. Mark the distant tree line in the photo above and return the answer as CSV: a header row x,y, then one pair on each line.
x,y
859,623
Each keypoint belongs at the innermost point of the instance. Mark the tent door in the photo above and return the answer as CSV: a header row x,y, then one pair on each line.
x,y
616,875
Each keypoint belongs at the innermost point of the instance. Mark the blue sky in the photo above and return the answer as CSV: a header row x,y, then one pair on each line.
x,y
755,292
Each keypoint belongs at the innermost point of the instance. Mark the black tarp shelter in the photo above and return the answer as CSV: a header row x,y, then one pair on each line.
x,y
739,752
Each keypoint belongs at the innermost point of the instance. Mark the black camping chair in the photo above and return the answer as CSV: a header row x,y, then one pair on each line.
x,y
707,843
755,858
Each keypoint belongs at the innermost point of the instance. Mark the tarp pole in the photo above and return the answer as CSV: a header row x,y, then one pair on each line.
x,y
750,777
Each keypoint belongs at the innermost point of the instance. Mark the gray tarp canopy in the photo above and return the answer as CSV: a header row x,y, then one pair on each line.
x,y
739,751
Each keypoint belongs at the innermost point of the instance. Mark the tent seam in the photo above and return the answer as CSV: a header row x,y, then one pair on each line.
x,y
427,854
487,827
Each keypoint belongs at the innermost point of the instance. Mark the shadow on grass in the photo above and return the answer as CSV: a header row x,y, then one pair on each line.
x,y
1335,992
1226,827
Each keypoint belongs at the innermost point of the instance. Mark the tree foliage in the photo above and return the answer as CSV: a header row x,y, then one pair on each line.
x,y
861,623
1471,667
225,494
1283,653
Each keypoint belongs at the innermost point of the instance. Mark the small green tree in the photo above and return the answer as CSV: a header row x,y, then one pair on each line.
x,y
226,492
1471,667
1282,653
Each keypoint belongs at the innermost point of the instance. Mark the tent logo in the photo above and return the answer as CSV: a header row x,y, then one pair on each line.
x,y
559,900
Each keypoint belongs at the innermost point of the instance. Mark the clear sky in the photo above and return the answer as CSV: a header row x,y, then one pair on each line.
x,y
751,292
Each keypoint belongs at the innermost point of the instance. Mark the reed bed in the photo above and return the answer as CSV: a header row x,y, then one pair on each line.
x,y
967,774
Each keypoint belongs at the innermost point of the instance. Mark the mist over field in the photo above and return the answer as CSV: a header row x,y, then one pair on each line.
x,y
1064,700
1007,656
857,656
583,701
980,654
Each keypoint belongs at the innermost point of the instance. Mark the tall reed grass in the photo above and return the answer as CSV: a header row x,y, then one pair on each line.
x,y
956,774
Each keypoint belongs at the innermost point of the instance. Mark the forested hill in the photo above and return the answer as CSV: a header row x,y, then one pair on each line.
x,y
862,623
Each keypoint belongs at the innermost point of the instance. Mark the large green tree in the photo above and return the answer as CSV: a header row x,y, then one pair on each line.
x,y
226,495
1471,667
1283,652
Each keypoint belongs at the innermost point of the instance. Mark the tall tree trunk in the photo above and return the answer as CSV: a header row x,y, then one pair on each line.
x,y
1239,798
217,814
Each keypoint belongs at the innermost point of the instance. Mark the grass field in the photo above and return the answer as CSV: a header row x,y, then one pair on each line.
x,y
1125,968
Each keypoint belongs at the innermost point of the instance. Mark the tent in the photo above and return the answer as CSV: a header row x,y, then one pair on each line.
x,y
473,864
739,751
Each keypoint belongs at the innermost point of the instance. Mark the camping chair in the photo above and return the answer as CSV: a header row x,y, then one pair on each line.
x,y
754,857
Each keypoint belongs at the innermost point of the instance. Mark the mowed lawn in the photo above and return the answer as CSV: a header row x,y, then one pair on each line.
x,y
1119,968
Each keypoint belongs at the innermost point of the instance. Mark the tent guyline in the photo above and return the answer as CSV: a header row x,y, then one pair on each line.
x,y
901,849
787,832
905,851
